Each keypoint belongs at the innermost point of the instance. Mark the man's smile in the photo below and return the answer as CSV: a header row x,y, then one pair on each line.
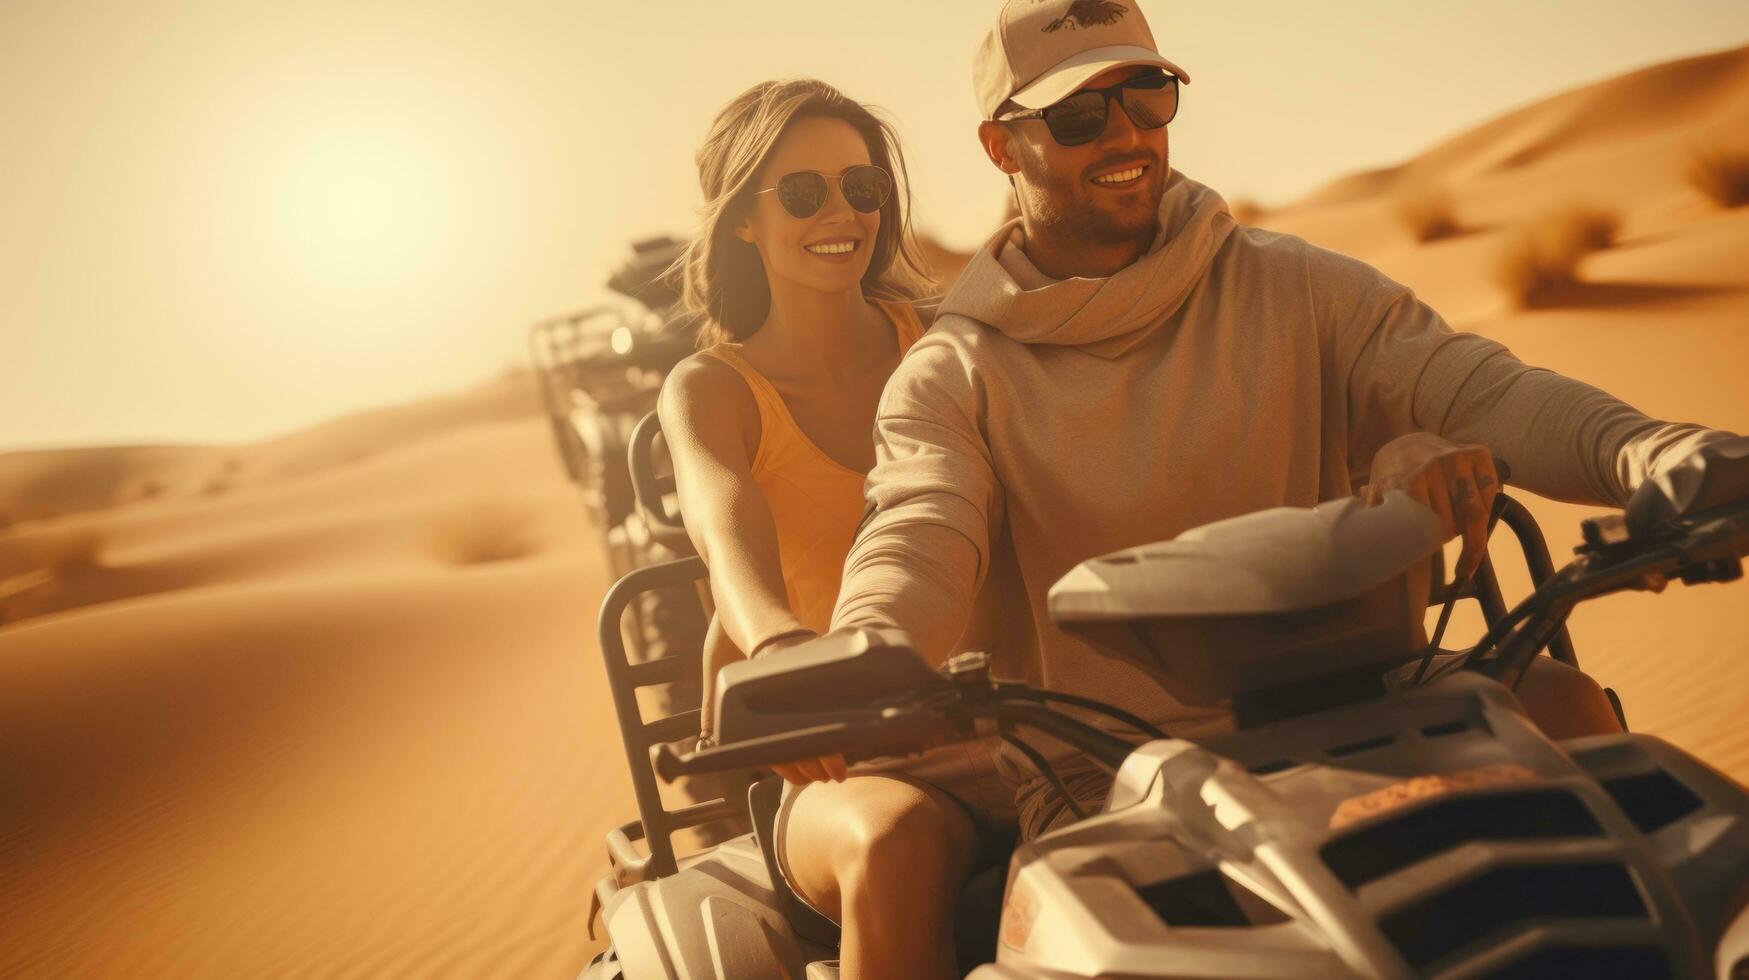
x,y
1122,178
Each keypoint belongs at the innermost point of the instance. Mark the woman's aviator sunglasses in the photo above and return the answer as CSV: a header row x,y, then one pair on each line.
x,y
803,193
1150,101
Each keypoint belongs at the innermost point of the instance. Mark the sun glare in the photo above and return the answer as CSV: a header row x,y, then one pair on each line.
x,y
358,207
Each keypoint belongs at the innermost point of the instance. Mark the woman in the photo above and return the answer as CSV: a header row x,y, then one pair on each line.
x,y
806,276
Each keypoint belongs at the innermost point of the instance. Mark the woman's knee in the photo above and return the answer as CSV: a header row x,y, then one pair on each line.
x,y
872,834
906,837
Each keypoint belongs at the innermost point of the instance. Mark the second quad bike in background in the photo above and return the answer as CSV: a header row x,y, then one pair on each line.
x,y
600,371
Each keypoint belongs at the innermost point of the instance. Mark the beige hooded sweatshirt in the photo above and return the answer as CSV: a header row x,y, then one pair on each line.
x,y
1040,423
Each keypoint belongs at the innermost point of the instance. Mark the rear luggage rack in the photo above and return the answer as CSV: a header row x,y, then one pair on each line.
x,y
656,824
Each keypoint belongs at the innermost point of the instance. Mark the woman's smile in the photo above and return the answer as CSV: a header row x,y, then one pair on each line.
x,y
840,249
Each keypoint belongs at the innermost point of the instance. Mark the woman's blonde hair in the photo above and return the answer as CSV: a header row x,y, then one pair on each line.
x,y
724,278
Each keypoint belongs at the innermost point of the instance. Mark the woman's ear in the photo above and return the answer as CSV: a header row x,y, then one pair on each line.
x,y
996,141
744,229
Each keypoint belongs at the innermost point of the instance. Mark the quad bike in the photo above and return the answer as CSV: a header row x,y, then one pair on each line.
x,y
1348,827
599,371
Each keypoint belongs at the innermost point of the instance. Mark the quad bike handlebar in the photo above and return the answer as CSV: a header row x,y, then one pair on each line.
x,y
963,706
1706,547
1691,524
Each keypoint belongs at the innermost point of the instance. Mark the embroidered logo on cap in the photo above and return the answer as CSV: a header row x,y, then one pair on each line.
x,y
1088,13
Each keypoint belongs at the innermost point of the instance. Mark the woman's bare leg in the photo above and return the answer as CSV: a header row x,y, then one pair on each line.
x,y
886,859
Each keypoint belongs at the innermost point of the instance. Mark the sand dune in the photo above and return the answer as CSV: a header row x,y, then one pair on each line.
x,y
262,721
1679,99
52,483
322,751
47,483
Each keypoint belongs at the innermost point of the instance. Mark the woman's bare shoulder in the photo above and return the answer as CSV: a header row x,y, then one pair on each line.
x,y
703,382
710,400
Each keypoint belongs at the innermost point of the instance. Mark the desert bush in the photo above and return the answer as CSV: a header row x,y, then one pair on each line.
x,y
1542,257
484,531
1721,175
57,551
1428,213
71,550
144,488
41,569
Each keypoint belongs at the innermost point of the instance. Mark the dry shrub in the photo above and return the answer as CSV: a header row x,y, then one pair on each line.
x,y
144,488
1542,258
41,569
71,550
58,551
1721,175
484,531
224,479
1428,213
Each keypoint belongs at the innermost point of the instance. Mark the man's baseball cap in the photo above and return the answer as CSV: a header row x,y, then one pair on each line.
x,y
1040,51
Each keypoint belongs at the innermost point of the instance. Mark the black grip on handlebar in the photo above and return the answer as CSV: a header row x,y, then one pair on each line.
x,y
898,734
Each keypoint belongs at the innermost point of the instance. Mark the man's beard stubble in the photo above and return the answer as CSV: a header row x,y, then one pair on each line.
x,y
1063,206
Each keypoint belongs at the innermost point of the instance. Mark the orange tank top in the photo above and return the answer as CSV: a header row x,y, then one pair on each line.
x,y
816,501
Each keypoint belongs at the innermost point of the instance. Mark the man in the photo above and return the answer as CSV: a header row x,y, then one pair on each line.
x,y
1121,363
1124,362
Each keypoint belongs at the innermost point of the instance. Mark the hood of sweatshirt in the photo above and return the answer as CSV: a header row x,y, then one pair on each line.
x,y
1107,317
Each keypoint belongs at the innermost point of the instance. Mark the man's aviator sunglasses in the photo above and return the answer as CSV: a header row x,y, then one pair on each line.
x,y
803,193
1150,101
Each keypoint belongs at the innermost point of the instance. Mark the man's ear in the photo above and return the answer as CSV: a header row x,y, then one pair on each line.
x,y
996,141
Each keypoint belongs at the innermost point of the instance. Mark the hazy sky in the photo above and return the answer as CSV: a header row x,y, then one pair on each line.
x,y
222,220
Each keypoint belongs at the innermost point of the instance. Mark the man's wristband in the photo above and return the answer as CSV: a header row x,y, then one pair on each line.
x,y
764,645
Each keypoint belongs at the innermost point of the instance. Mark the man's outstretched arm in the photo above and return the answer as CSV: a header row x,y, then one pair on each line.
x,y
1561,438
923,548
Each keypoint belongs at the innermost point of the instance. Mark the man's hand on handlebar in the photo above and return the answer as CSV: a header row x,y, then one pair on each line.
x,y
1458,482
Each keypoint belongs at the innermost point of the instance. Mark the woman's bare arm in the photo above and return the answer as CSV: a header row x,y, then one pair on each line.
x,y
711,424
